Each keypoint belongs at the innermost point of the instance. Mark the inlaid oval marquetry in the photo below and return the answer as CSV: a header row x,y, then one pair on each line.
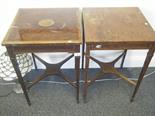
x,y
46,22
46,26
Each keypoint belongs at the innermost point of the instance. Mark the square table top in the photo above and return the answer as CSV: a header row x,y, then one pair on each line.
x,y
116,24
45,26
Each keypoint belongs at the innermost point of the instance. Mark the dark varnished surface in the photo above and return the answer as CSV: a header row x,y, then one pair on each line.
x,y
116,25
26,35
25,29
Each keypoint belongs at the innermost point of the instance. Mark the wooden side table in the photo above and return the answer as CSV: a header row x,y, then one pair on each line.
x,y
45,30
116,29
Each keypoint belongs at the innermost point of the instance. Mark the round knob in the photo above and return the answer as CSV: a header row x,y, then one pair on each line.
x,y
98,46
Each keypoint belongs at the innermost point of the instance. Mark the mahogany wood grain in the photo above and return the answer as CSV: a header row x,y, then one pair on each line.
x,y
45,30
25,28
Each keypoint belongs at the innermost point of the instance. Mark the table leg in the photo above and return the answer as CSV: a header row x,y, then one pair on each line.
x,y
17,70
144,69
34,61
83,48
85,76
123,58
77,68
83,43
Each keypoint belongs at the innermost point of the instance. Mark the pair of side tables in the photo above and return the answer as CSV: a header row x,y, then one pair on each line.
x,y
65,29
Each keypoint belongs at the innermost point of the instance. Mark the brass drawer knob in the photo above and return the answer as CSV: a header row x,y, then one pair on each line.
x,y
98,46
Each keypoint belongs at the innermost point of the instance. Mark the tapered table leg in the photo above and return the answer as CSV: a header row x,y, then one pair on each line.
x,y
144,69
82,58
17,70
85,76
77,68
83,44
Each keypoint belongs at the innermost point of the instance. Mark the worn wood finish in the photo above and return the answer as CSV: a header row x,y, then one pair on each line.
x,y
116,29
26,30
110,25
50,30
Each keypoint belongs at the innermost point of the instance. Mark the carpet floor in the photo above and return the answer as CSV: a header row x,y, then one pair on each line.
x,y
107,98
